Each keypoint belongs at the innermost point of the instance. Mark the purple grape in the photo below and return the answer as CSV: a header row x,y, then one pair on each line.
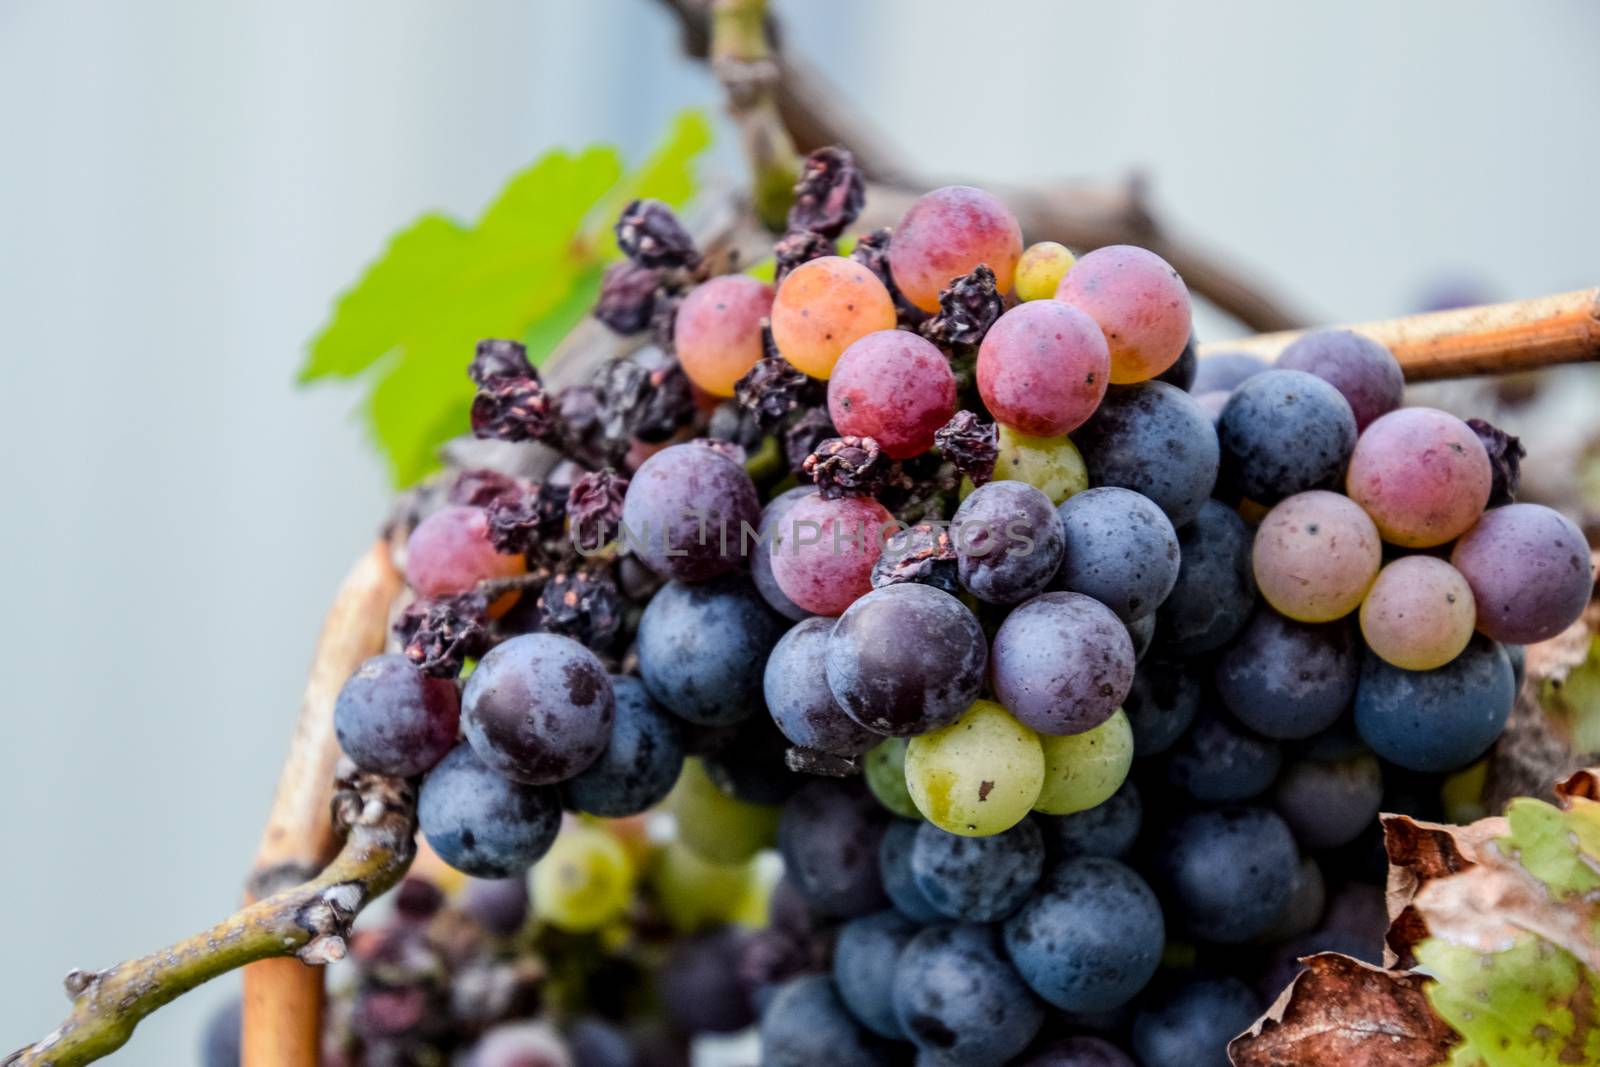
x,y
500,905
1108,829
597,1043
1181,374
978,879
686,511
640,764
1224,371
960,1001
1080,1051
1190,1026
796,688
1216,589
1008,544
864,959
1327,803
1090,938
1219,761
1230,871
700,988
1162,703
390,718
1289,679
1154,439
1437,720
1120,549
481,823
1529,569
906,659
806,1024
538,708
1364,372
772,521
1062,663
219,1042
1285,432
829,836
894,867
702,649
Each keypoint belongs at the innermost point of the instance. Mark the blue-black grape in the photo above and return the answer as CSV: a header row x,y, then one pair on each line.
x,y
391,718
1080,1051
906,659
829,836
959,1000
1231,871
1216,588
806,1023
686,510
1191,1025
1436,720
1225,371
1120,549
978,879
1289,679
1162,703
538,708
1142,632
1327,803
864,960
1108,829
1090,937
700,987
1062,663
1007,538
702,648
1306,901
1154,439
894,867
1285,432
219,1042
640,764
597,1043
482,823
1181,374
796,688
751,764
1219,761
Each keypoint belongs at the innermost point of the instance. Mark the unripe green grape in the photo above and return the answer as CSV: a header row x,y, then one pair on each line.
x,y
1040,270
885,772
717,827
584,882
695,893
1081,771
1051,465
978,776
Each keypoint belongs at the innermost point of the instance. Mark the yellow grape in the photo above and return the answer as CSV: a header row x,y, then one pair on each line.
x,y
1081,771
1040,270
978,776
584,882
1051,465
719,828
694,893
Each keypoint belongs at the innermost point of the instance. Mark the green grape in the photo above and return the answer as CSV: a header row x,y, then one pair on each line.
x,y
584,882
1050,464
886,777
978,776
1081,771
694,893
718,827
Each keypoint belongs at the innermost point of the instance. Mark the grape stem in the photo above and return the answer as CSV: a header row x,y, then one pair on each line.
x,y
744,64
309,922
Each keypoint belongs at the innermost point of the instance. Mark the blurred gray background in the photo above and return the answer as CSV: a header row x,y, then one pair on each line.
x,y
184,185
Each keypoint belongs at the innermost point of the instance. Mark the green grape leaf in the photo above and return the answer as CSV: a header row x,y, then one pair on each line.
x,y
1529,1005
529,268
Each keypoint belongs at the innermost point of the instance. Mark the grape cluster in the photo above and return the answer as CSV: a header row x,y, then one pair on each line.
x,y
1065,672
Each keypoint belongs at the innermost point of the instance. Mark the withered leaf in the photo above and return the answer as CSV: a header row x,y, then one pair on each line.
x,y
1340,1012
1421,852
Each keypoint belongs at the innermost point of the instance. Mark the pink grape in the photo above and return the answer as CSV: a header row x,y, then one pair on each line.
x,y
823,560
945,234
450,552
717,333
1315,556
895,387
1140,303
1043,368
1529,569
1423,476
1419,614
823,307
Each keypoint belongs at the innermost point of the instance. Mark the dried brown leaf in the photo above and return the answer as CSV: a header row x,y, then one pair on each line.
x,y
1340,1012
1419,853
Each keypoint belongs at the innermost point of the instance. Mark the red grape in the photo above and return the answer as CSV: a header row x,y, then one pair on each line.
x,y
1043,368
823,559
717,333
895,387
450,553
1140,303
945,234
1423,476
